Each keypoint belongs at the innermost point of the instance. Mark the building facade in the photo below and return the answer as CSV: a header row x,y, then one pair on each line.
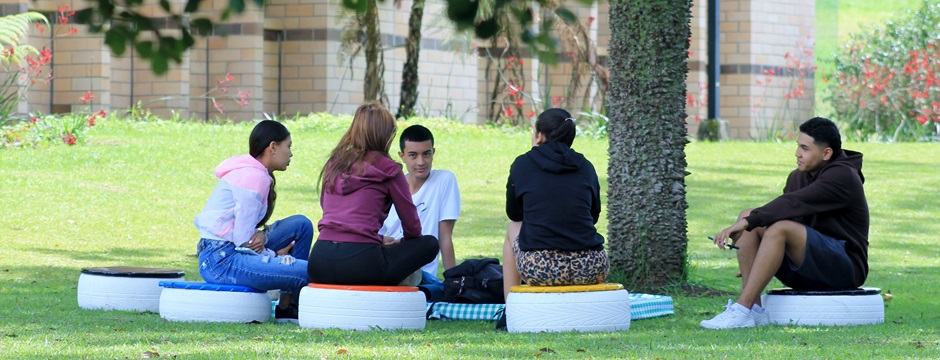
x,y
286,59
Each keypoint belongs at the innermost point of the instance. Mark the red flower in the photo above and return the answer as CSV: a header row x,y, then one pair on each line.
x,y
87,97
69,139
509,112
218,106
91,120
922,119
102,113
243,97
33,120
590,21
520,102
530,114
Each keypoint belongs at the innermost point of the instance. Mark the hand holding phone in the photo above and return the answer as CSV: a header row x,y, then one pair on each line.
x,y
733,246
245,250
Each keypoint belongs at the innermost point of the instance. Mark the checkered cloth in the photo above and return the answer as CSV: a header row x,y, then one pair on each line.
x,y
642,306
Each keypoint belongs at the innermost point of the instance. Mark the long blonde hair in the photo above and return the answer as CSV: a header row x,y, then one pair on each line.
x,y
372,129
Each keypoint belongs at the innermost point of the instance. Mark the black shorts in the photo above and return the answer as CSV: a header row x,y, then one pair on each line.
x,y
826,266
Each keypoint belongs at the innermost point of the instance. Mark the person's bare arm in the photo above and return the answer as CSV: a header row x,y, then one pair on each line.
x,y
446,240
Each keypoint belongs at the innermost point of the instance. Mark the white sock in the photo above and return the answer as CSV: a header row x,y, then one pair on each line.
x,y
756,308
741,308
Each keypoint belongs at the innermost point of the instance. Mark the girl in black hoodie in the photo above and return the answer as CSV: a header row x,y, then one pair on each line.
x,y
553,200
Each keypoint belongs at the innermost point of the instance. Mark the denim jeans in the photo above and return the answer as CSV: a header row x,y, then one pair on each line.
x,y
432,287
219,263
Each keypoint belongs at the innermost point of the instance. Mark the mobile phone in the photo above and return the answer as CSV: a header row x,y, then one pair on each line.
x,y
733,246
245,250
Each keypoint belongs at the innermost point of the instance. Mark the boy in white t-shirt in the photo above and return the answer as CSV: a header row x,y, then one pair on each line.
x,y
434,193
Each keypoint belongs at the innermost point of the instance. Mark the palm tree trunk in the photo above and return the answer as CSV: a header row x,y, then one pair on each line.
x,y
646,176
409,79
373,84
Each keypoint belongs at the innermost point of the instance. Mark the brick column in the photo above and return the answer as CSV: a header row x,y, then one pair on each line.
x,y
133,80
697,80
756,35
234,48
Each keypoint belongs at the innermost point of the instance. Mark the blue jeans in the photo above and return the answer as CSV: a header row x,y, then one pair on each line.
x,y
432,287
219,263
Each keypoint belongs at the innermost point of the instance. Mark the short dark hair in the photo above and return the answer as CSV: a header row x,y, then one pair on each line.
x,y
824,133
415,133
557,125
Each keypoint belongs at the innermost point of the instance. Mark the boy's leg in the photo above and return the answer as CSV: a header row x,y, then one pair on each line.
x,y
783,237
297,229
510,272
748,243
408,256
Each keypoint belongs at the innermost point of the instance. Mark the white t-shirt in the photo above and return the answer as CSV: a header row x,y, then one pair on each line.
x,y
437,200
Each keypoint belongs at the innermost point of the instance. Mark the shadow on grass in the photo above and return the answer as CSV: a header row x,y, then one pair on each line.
x,y
125,255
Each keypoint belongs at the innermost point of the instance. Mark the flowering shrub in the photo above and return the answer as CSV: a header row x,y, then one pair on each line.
x,y
886,85
68,129
24,65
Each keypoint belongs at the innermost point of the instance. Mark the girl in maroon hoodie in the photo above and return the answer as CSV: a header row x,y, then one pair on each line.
x,y
358,185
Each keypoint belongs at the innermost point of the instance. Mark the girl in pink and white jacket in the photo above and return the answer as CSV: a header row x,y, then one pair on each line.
x,y
241,203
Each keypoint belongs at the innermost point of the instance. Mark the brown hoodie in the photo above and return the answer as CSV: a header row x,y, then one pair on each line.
x,y
833,203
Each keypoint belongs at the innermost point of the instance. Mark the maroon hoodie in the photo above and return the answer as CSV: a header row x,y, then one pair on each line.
x,y
832,202
355,210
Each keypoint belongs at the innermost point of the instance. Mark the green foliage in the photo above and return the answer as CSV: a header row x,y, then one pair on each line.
x,y
13,31
128,197
886,84
47,130
13,51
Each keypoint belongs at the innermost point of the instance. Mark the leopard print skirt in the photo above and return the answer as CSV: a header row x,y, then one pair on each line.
x,y
558,267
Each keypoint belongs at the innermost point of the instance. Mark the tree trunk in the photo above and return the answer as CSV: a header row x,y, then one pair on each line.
x,y
646,176
409,79
373,86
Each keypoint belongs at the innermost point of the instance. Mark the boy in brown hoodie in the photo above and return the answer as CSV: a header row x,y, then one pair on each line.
x,y
813,237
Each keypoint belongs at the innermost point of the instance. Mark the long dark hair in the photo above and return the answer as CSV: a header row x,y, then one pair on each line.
x,y
557,125
266,132
372,129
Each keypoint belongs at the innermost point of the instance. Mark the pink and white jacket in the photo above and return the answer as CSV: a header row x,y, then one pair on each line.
x,y
237,203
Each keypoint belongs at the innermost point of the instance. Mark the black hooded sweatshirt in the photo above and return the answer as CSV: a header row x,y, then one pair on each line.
x,y
832,202
554,191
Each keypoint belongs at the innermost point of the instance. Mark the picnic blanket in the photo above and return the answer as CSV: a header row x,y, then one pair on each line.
x,y
642,306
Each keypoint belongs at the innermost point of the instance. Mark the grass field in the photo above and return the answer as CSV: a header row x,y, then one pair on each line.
x,y
129,194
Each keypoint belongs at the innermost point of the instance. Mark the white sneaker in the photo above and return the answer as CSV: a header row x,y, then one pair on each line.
x,y
761,319
729,319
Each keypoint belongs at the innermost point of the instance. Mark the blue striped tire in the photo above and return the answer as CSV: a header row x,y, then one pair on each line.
x,y
191,305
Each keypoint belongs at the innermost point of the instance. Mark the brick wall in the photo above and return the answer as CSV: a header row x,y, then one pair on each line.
x,y
286,56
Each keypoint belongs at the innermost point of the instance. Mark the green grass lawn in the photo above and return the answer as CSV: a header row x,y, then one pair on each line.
x,y
129,194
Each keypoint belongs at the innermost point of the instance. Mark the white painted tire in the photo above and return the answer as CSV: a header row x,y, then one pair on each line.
x,y
825,310
574,311
361,310
100,292
214,306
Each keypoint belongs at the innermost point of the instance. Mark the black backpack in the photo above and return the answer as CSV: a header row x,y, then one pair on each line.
x,y
474,281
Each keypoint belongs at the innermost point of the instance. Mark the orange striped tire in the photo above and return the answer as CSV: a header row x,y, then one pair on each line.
x,y
326,308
